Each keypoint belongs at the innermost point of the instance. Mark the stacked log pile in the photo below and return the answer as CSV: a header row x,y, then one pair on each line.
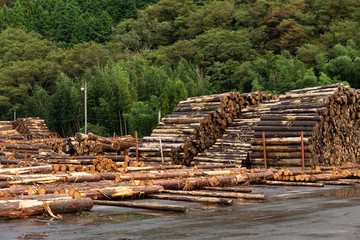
x,y
14,144
7,131
33,127
347,174
234,146
92,144
194,126
328,116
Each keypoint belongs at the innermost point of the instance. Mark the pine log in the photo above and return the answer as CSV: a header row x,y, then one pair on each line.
x,y
217,194
193,199
153,206
25,208
117,192
306,184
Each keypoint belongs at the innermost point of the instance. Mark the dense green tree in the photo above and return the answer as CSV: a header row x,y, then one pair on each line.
x,y
173,92
110,96
142,34
344,67
70,21
36,105
65,112
342,31
216,14
75,61
308,53
222,45
23,65
142,118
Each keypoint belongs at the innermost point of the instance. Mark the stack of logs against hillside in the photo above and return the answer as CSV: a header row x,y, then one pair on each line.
x,y
194,126
327,117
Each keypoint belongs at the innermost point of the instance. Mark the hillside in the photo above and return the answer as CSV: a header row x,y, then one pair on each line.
x,y
141,56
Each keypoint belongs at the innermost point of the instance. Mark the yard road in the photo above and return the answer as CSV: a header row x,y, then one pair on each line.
x,y
290,213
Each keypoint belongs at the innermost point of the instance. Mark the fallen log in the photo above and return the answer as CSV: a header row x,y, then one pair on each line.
x,y
229,189
283,183
117,192
153,206
193,199
217,194
24,208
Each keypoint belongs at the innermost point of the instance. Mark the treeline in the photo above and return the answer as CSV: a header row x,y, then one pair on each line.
x,y
141,56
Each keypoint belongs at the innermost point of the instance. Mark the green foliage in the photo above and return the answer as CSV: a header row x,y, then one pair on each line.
x,y
142,118
70,21
97,129
216,14
36,105
142,34
22,66
110,95
65,107
342,31
136,62
345,66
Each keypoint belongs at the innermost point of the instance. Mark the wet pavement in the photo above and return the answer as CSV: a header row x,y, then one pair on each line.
x,y
332,212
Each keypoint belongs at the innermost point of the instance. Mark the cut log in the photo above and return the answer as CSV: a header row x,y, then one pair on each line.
x,y
305,184
217,194
25,208
193,199
153,206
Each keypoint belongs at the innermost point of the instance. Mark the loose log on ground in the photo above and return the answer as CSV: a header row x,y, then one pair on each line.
x,y
229,189
153,206
25,208
193,199
305,184
217,194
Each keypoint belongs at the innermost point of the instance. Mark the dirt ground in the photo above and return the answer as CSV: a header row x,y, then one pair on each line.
x,y
332,212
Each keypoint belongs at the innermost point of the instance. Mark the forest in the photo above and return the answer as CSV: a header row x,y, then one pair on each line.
x,y
138,57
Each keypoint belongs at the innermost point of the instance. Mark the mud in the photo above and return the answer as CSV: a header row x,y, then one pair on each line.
x,y
332,212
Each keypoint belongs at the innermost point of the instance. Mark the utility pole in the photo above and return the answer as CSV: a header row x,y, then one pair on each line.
x,y
159,116
85,105
14,114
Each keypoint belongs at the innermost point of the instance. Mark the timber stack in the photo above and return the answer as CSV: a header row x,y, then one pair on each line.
x,y
7,131
33,127
327,116
234,146
91,144
194,126
14,144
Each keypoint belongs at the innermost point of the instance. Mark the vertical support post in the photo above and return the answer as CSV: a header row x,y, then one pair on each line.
x,y
264,148
85,91
159,115
14,114
126,131
302,151
137,146
161,151
120,125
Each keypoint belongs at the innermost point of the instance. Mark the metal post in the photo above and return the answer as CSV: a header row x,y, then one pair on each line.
x,y
14,114
159,116
264,148
137,147
302,151
85,107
